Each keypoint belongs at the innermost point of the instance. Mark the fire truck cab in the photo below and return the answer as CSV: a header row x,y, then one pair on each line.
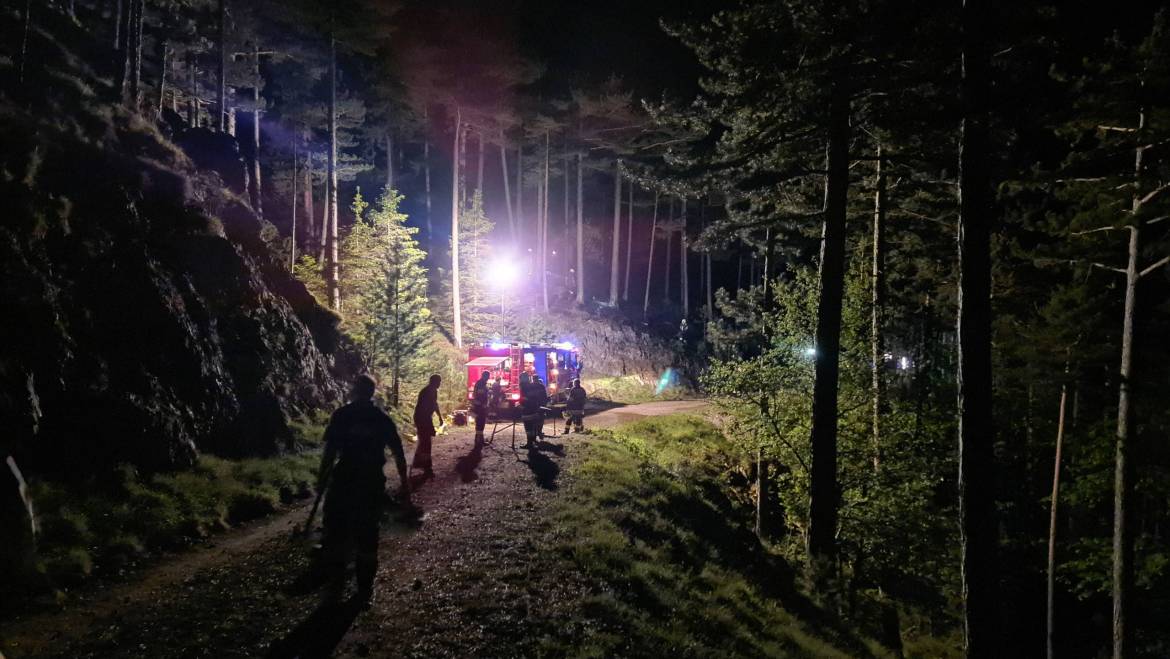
x,y
557,365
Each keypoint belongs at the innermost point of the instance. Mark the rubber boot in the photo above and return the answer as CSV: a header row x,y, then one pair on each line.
x,y
366,566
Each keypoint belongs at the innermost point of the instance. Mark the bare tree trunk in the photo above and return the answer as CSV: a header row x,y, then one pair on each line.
x,y
332,279
27,27
118,34
707,273
427,177
650,260
763,492
135,54
308,196
669,248
977,521
877,349
544,231
389,161
1122,467
175,86
323,238
580,232
507,192
257,200
564,260
455,157
615,252
1052,518
193,101
520,184
823,488
629,241
164,58
479,171
292,259
684,282
221,105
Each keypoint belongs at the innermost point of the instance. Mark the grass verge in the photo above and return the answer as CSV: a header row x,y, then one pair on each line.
x,y
111,523
657,515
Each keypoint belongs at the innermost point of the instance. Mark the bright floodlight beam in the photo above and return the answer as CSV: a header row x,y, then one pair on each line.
x,y
504,273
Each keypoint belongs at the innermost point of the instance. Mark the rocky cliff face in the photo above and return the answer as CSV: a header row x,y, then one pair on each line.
x,y
145,316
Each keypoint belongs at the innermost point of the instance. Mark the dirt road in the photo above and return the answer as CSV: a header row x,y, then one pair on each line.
x,y
466,579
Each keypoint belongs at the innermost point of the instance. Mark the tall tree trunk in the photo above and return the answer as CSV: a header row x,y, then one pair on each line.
x,y
427,177
977,521
1053,507
763,491
479,170
323,237
292,259
580,233
684,284
257,200
333,271
175,86
564,261
823,488
389,161
118,32
164,58
707,275
1122,467
650,260
669,249
520,184
457,328
193,101
27,27
629,241
544,231
507,191
221,101
615,252
308,195
134,94
877,349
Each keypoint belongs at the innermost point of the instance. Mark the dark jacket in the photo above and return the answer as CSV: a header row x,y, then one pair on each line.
x,y
577,398
358,433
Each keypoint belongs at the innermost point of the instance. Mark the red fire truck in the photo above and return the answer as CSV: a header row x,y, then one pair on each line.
x,y
557,364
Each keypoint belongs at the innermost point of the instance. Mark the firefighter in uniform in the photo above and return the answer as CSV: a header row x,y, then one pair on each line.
x,y
425,409
532,407
576,407
479,404
356,436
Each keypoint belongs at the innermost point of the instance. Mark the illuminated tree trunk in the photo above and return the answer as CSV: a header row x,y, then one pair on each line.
x,y
257,200
332,278
544,232
684,283
427,177
1053,507
307,193
456,311
977,523
669,249
629,241
650,260
292,259
580,235
221,38
479,171
823,488
389,161
877,350
164,61
193,99
507,192
615,252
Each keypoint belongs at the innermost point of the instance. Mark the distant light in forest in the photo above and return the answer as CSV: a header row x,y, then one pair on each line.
x,y
664,381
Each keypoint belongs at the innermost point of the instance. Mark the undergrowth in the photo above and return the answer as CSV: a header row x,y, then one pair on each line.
x,y
114,520
659,514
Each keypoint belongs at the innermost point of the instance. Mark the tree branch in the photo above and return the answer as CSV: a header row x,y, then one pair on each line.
x,y
1153,194
1154,266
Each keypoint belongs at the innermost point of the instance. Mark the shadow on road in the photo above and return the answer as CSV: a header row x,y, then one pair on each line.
x,y
466,465
319,634
543,468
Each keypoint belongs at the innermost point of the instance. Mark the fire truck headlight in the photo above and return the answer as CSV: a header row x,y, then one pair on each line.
x,y
514,396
